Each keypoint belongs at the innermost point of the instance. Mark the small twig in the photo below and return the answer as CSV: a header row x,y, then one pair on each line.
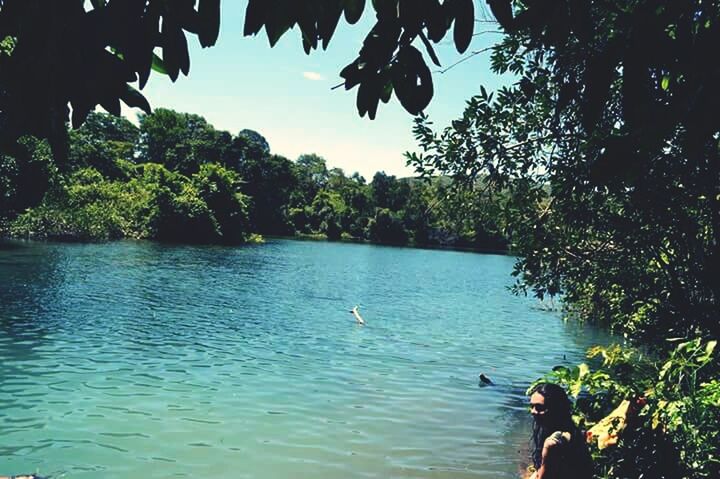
x,y
547,209
484,32
472,54
526,142
434,204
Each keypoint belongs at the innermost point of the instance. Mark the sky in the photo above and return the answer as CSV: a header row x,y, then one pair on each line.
x,y
286,95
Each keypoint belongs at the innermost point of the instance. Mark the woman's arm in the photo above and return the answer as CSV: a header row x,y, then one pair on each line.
x,y
550,452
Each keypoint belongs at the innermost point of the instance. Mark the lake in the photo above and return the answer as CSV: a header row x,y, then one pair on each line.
x,y
135,359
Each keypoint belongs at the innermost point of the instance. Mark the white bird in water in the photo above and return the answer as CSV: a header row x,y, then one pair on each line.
x,y
358,318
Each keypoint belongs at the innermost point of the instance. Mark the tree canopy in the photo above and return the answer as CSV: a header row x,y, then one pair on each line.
x,y
114,41
44,84
607,141
653,47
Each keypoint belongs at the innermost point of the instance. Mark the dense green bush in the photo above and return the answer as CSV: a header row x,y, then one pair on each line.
x,y
387,227
673,428
86,207
153,203
219,188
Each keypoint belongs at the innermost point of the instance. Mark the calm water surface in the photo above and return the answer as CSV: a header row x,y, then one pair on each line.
x,y
132,359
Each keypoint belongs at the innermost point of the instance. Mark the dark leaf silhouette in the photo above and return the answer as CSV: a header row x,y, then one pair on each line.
x,y
464,12
353,10
135,99
255,16
412,80
597,78
209,12
502,10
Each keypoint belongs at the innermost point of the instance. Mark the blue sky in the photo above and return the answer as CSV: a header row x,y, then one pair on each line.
x,y
286,95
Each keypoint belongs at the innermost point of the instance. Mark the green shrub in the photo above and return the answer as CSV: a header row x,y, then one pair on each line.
x,y
86,208
219,188
154,203
674,431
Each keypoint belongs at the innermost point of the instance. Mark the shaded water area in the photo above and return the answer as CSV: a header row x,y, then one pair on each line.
x,y
135,359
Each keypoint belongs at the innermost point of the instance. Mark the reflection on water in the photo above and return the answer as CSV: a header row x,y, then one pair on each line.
x,y
138,359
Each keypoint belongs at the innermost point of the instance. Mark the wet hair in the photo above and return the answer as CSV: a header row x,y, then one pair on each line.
x,y
557,418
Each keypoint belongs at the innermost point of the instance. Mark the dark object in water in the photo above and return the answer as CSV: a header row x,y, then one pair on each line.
x,y
485,381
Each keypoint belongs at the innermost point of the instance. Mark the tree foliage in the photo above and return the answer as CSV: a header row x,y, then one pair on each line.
x,y
25,176
151,202
182,141
604,157
101,141
44,85
388,62
615,184
176,178
113,45
672,427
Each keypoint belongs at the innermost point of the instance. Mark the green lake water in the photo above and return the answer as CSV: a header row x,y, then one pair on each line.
x,y
135,359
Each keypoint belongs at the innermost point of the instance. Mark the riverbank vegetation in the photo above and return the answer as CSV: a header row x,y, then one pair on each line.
x,y
609,160
176,178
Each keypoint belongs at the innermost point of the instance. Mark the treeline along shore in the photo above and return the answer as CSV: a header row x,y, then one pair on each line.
x,y
176,178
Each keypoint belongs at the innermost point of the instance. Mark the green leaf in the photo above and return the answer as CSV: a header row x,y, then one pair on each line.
x,y
308,27
353,74
184,53
710,347
79,113
385,8
665,82
368,97
111,105
437,21
583,370
598,77
174,47
328,21
575,388
158,64
386,86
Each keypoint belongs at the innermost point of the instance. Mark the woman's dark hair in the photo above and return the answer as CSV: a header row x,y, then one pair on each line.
x,y
557,418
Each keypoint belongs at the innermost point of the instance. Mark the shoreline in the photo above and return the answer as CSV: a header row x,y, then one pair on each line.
x,y
259,239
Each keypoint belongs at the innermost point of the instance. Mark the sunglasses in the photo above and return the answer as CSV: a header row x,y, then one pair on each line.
x,y
538,407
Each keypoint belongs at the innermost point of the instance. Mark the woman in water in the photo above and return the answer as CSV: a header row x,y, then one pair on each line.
x,y
558,446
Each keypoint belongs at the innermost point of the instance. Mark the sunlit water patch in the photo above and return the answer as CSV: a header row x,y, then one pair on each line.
x,y
141,360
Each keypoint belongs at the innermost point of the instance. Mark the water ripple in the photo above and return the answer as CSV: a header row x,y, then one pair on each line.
x,y
138,359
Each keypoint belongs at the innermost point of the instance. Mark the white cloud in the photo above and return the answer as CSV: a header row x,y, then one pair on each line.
x,y
314,76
